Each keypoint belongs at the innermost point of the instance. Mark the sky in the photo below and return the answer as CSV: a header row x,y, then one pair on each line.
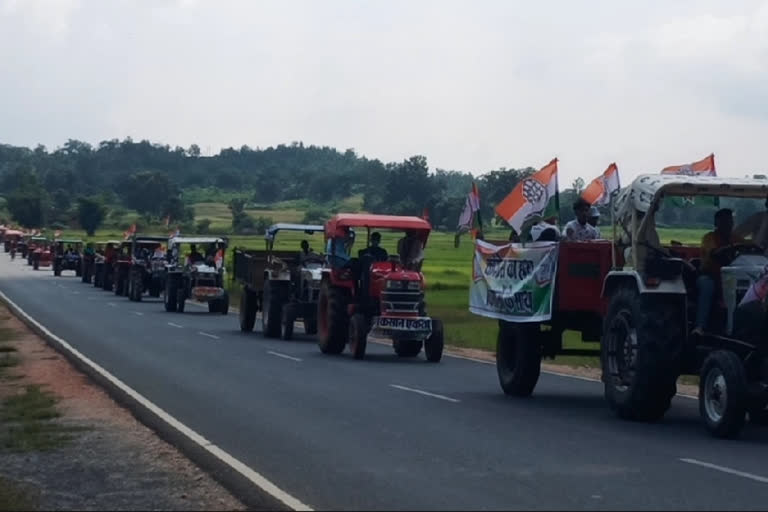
x,y
472,85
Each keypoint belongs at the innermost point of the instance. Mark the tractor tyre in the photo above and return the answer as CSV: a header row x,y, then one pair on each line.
x,y
286,322
272,309
640,351
358,335
248,307
332,319
407,348
79,271
56,269
310,323
213,306
723,394
36,264
224,304
181,299
107,281
169,297
119,284
138,287
84,275
518,357
433,346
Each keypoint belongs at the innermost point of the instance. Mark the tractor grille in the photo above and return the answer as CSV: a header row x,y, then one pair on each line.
x,y
401,302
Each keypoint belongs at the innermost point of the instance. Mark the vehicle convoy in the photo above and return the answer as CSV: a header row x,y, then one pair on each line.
x,y
32,244
283,284
146,271
196,276
41,255
22,246
105,264
67,255
375,293
88,262
638,300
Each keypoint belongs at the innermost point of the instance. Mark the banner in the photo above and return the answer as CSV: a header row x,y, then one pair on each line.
x,y
514,283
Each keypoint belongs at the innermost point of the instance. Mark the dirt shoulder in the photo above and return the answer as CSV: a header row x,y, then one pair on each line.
x,y
65,444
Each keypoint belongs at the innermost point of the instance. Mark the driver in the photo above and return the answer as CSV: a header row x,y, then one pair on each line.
x,y
375,250
716,251
194,256
411,250
338,248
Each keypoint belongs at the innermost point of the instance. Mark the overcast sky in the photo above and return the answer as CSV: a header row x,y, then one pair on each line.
x,y
473,85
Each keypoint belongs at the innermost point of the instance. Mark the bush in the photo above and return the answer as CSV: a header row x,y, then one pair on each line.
x,y
315,215
203,227
59,225
261,224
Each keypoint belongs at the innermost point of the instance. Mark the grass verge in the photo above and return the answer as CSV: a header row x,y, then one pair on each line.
x,y
13,497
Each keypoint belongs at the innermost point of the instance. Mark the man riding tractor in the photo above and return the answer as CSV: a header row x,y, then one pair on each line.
x,y
364,295
66,256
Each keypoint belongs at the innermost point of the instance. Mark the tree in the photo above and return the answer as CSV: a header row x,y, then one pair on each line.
x,y
194,151
203,226
578,185
90,213
148,192
241,221
315,216
27,203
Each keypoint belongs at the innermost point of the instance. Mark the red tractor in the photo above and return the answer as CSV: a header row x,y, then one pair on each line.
x,y
374,293
41,255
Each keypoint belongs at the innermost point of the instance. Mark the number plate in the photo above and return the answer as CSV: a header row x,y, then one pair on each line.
x,y
420,324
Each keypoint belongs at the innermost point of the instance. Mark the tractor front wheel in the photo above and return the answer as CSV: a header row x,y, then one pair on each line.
x,y
272,309
433,346
518,357
723,394
169,298
247,310
358,335
332,319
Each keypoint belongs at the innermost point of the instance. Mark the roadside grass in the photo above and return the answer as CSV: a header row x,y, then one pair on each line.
x,y
13,497
26,422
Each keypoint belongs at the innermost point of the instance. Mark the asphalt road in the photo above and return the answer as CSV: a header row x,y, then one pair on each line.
x,y
388,433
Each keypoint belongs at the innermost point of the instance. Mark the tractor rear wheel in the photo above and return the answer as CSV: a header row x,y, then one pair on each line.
x,y
56,269
358,335
36,264
642,341
138,287
169,298
332,319
272,309
181,299
518,357
106,282
407,348
433,346
723,394
247,310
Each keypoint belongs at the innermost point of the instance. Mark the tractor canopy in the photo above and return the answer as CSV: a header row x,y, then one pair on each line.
x,y
197,240
68,241
309,229
339,224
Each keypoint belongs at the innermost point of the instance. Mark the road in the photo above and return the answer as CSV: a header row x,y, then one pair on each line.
x,y
387,433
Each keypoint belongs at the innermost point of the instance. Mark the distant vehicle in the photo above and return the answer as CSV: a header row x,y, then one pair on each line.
x,y
41,256
642,314
280,284
146,272
10,236
67,255
32,244
360,296
199,278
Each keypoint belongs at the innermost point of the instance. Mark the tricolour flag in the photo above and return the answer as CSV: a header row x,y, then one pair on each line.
x,y
530,197
219,258
131,230
469,220
705,167
599,192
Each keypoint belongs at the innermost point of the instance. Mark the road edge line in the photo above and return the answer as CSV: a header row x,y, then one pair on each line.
x,y
231,473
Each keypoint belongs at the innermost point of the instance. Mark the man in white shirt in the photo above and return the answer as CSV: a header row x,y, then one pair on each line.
x,y
545,230
579,230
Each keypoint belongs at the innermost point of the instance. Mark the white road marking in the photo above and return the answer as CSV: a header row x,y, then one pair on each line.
x,y
425,393
139,313
75,293
750,476
175,325
112,304
256,478
201,333
284,356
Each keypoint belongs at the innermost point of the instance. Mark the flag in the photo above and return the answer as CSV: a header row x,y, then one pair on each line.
x,y
57,233
705,167
425,214
219,258
470,220
530,197
599,192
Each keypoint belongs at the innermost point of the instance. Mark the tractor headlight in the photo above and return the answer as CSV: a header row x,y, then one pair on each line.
x,y
414,285
395,285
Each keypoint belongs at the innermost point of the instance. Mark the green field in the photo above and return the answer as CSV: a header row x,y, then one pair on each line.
x,y
447,270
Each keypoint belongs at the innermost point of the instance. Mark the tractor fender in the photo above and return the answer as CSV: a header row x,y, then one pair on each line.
x,y
618,278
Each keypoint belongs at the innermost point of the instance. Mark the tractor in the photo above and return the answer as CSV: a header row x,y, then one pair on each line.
x,y
22,246
369,295
122,260
284,285
32,245
11,237
67,255
105,264
197,276
147,270
637,300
